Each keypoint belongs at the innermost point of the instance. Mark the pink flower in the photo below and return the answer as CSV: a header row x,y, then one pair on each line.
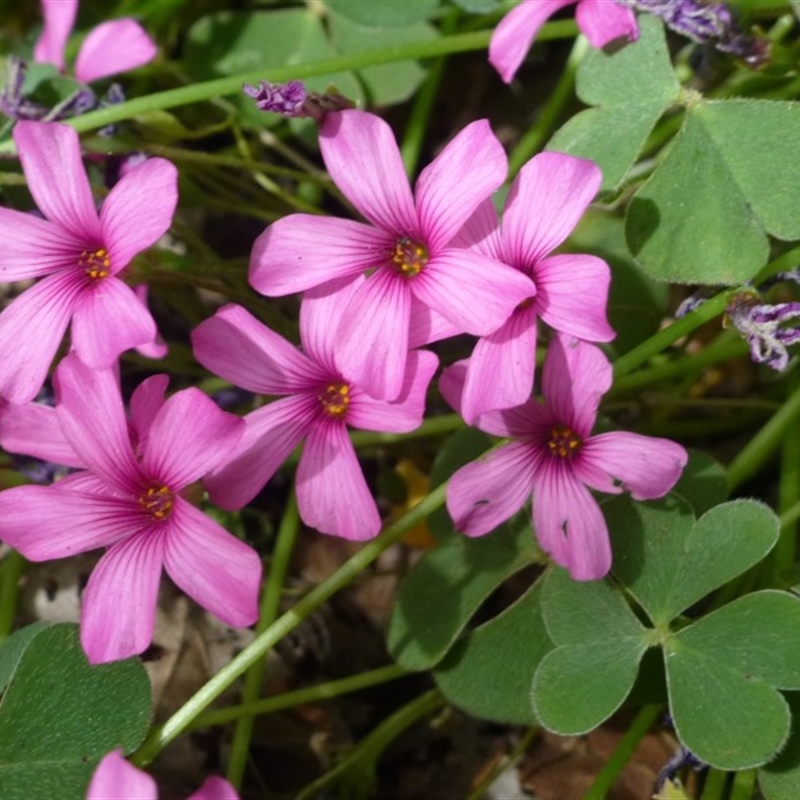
x,y
82,254
131,498
545,203
112,47
117,779
554,457
601,21
321,401
420,283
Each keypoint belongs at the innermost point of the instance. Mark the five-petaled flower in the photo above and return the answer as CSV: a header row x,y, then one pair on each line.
x,y
81,252
602,21
321,402
112,47
554,457
421,287
117,779
129,497
544,204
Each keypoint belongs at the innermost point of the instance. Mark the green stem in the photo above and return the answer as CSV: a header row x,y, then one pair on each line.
x,y
10,573
713,307
479,791
311,694
714,786
764,443
435,426
423,102
784,554
369,749
713,354
622,755
551,112
270,603
348,572
744,785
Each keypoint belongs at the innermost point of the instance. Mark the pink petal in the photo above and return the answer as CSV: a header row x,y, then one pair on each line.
x,y
92,417
332,494
188,438
473,292
33,247
427,325
113,47
108,320
405,413
59,19
572,295
362,158
645,466
515,33
47,522
603,22
373,335
31,329
485,493
569,524
117,779
271,434
215,569
457,181
138,210
51,160
214,788
236,346
119,603
547,199
301,251
320,315
481,232
32,429
146,401
576,375
500,371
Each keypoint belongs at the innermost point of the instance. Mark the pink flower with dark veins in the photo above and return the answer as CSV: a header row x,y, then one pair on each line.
x,y
80,255
601,21
554,458
117,779
319,402
420,286
130,496
112,47
545,202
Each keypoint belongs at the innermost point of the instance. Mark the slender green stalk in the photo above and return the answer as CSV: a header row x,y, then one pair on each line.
x,y
785,552
479,791
348,572
713,307
764,443
713,354
270,603
714,786
744,785
791,515
311,694
361,760
551,111
622,755
435,426
10,572
424,100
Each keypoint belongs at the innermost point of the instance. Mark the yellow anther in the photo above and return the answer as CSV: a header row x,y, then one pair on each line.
x,y
157,501
409,257
335,399
563,442
96,263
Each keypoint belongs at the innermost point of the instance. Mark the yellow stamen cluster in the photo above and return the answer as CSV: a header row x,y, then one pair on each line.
x,y
96,263
563,442
157,501
335,399
409,257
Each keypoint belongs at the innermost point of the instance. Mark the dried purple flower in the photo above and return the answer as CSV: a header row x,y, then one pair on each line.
x,y
292,100
707,22
12,102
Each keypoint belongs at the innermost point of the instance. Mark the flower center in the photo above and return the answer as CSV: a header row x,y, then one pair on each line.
x,y
157,501
409,257
335,399
95,263
563,442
